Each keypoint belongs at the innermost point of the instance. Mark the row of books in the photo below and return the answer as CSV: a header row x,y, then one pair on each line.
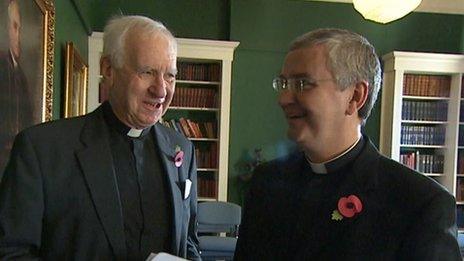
x,y
195,97
460,167
207,188
425,111
461,136
198,71
422,135
424,163
461,112
207,157
459,212
460,189
426,85
192,129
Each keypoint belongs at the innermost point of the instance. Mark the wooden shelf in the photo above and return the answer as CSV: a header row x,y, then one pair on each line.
x,y
423,122
207,169
179,108
431,98
208,83
204,139
422,146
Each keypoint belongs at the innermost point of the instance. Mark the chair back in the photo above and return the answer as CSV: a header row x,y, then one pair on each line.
x,y
218,216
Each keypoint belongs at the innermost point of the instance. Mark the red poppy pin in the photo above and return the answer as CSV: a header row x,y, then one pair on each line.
x,y
347,207
179,158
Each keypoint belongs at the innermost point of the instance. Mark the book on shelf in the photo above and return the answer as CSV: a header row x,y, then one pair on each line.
x,y
207,187
207,156
424,163
195,97
192,129
460,189
424,110
185,128
422,135
198,71
460,167
426,85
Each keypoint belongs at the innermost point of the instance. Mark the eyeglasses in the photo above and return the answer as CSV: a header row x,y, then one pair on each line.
x,y
295,84
148,74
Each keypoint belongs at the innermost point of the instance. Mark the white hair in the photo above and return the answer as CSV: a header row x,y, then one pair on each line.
x,y
116,30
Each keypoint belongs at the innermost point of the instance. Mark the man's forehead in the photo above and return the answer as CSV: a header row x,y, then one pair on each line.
x,y
305,61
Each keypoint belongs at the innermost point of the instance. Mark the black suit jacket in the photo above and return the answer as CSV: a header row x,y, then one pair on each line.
x,y
405,215
59,197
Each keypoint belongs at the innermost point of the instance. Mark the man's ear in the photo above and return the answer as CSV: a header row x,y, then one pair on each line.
x,y
358,97
106,70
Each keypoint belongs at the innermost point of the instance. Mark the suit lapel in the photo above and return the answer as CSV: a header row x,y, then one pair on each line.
x,y
97,165
167,153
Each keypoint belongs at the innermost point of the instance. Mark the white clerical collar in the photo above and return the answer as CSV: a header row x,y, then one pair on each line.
x,y
321,168
134,133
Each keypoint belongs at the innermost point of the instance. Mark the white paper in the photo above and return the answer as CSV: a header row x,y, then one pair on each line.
x,y
188,186
163,257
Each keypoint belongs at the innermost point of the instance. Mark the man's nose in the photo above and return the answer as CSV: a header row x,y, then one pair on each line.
x,y
286,97
158,86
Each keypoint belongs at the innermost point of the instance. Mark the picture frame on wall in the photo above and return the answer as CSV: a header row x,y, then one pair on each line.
x,y
76,83
27,38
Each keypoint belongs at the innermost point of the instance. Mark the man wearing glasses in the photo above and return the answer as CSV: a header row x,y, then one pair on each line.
x,y
114,184
338,198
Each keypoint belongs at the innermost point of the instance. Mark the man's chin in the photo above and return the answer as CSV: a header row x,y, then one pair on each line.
x,y
294,135
298,136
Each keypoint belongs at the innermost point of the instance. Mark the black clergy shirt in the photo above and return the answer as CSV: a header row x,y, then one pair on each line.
x,y
317,194
143,189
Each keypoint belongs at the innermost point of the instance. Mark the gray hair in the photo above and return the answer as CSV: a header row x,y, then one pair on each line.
x,y
116,30
350,58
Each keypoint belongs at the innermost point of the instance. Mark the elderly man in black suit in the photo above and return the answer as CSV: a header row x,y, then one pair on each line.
x,y
338,198
114,184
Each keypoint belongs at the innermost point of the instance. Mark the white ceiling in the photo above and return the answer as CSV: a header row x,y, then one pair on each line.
x,y
428,6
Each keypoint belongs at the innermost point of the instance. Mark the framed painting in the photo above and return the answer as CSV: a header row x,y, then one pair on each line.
x,y
27,36
75,101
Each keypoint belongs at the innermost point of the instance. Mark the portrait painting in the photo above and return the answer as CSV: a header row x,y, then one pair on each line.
x,y
76,78
26,68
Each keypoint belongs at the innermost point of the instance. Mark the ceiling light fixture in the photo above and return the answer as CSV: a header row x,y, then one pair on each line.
x,y
385,11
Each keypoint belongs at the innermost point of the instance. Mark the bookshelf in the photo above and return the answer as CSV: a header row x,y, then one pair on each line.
x,y
422,119
200,109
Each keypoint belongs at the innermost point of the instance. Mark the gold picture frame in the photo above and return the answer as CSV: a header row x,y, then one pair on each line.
x,y
76,83
47,8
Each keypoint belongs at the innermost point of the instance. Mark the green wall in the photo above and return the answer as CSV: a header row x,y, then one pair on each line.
x,y
185,18
68,27
264,29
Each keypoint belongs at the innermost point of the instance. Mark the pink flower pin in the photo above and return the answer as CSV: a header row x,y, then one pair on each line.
x,y
349,206
179,158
